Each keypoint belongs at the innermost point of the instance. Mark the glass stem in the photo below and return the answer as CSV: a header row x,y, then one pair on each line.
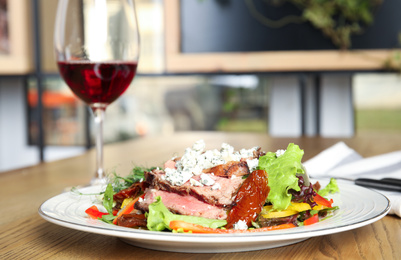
x,y
99,113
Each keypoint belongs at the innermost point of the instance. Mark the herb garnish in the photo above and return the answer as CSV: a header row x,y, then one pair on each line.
x,y
137,174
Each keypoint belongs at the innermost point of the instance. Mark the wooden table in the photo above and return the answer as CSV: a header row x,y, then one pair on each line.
x,y
25,235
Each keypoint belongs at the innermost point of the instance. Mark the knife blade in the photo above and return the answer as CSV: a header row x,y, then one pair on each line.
x,y
393,180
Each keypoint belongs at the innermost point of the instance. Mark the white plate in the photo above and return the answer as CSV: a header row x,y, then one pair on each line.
x,y
358,207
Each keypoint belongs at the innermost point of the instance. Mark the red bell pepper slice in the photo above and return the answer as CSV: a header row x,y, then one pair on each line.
x,y
94,212
322,201
312,220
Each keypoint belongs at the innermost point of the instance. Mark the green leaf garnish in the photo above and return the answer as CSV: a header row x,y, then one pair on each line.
x,y
332,187
108,218
108,199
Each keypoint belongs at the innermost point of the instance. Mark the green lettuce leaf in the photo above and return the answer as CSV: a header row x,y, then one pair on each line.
x,y
159,218
282,173
332,187
108,198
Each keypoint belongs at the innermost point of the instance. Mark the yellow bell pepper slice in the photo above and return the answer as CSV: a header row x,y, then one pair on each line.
x,y
294,208
279,214
126,201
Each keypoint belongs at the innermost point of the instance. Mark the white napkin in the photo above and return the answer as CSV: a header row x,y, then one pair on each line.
x,y
341,161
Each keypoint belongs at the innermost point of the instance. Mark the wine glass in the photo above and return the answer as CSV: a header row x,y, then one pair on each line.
x,y
97,49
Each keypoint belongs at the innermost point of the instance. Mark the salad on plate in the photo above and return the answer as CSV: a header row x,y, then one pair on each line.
x,y
217,191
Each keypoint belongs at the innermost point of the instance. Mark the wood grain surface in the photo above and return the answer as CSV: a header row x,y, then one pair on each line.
x,y
25,235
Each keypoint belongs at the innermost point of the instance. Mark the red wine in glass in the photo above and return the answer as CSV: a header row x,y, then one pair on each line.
x,y
97,82
96,44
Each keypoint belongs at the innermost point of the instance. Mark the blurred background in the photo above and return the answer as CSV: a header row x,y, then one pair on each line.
x,y
322,80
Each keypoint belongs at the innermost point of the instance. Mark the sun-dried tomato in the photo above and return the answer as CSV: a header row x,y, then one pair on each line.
x,y
250,199
132,220
130,192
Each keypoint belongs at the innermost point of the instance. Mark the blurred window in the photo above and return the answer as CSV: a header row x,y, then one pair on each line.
x,y
377,102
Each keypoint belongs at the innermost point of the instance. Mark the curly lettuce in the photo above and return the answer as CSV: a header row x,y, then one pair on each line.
x,y
282,171
331,188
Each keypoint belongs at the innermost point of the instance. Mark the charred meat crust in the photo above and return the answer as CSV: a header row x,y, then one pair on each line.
x,y
229,169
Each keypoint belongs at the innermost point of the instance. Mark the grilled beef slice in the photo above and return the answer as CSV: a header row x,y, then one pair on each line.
x,y
181,204
220,197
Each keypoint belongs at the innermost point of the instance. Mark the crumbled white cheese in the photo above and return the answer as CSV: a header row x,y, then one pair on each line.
x,y
248,153
252,164
210,159
240,225
199,146
228,154
197,170
195,160
140,199
280,152
177,178
216,186
195,182
206,180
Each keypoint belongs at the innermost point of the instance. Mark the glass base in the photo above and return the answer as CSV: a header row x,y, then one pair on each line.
x,y
98,181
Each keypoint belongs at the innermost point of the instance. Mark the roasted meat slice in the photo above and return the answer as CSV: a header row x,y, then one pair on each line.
x,y
221,195
181,204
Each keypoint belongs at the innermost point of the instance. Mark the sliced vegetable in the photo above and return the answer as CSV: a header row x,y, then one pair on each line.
x,y
279,214
299,207
195,228
126,202
93,212
322,201
250,199
312,220
294,208
127,209
320,207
